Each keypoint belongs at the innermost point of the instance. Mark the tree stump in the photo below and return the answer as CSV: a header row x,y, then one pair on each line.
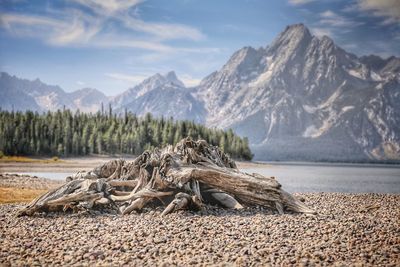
x,y
186,176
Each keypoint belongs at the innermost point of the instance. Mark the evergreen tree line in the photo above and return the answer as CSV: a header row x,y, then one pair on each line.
x,y
64,133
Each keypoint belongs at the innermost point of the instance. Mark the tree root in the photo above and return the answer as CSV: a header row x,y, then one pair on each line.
x,y
187,176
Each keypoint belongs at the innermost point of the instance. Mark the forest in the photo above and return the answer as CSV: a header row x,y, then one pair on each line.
x,y
66,133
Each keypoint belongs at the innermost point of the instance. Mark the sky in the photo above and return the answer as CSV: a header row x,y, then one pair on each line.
x,y
112,45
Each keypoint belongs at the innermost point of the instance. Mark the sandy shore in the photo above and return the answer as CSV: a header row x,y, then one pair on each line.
x,y
350,229
71,165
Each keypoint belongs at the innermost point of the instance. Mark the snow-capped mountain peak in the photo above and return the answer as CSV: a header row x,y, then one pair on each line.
x,y
171,77
22,94
146,86
299,96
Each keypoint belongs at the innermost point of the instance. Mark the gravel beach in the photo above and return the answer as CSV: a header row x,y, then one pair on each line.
x,y
19,181
351,229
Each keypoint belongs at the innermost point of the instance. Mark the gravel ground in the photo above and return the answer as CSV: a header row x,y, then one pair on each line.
x,y
26,181
351,229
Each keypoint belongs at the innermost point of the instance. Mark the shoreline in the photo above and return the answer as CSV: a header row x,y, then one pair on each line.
x,y
15,188
75,164
350,229
87,163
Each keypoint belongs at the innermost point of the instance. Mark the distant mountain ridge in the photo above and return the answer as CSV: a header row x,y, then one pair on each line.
x,y
161,95
22,94
300,98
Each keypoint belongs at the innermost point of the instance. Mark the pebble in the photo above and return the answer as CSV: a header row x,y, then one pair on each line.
x,y
342,234
26,181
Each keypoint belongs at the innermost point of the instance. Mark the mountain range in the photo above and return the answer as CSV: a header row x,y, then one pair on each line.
x,y
300,98
22,94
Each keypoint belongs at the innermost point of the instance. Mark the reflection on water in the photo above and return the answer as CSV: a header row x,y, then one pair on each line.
x,y
347,178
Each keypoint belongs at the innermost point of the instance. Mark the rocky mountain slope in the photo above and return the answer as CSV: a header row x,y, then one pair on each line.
x,y
22,94
161,95
305,98
300,98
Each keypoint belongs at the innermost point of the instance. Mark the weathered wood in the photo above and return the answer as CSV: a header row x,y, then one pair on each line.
x,y
195,172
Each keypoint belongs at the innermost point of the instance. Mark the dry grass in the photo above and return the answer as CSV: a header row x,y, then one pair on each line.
x,y
16,195
28,160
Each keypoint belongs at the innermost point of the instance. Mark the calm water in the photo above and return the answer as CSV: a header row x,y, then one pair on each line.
x,y
348,178
306,177
60,176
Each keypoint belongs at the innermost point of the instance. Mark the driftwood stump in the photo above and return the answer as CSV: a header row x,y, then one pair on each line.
x,y
188,175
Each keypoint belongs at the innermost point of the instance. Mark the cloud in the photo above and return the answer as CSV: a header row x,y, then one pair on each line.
x,y
108,7
126,77
72,29
319,31
117,41
388,9
118,10
333,19
189,81
299,2
163,30
8,20
101,24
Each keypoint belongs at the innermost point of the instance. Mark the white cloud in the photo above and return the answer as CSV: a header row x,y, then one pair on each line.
x,y
189,81
73,29
299,2
319,31
108,7
80,27
118,10
163,30
78,32
333,19
126,77
389,9
80,83
9,20
127,42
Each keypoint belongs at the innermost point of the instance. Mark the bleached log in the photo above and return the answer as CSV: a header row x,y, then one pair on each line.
x,y
195,172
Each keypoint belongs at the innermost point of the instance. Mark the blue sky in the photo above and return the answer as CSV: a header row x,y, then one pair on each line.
x,y
113,45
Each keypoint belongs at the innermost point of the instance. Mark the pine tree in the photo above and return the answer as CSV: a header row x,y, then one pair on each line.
x,y
63,133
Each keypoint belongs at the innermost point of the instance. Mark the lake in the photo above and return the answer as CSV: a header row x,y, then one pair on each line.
x,y
317,177
325,177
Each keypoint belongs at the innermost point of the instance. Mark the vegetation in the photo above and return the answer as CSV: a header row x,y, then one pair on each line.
x,y
64,133
28,160
16,195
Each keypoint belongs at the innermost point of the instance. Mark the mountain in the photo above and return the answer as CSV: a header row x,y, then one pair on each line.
x,y
300,98
385,67
88,99
22,94
305,98
12,97
161,95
